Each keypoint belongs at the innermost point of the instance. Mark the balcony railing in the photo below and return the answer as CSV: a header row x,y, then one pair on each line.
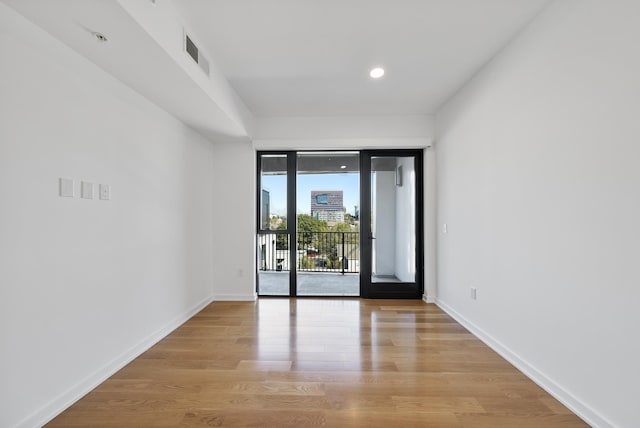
x,y
337,252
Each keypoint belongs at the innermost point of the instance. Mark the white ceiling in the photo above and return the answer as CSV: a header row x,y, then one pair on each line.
x,y
312,57
144,50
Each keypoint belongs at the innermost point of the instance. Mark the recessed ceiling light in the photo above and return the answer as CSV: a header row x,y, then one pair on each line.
x,y
343,166
377,72
100,37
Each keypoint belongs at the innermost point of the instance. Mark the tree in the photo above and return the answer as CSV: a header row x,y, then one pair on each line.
x,y
307,228
341,227
307,263
306,223
282,242
348,218
351,237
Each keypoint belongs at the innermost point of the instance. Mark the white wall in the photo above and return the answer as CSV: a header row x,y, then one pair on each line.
x,y
343,133
430,226
344,127
234,258
87,284
538,182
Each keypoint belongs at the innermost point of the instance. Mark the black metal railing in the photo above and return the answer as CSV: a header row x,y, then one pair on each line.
x,y
337,252
273,252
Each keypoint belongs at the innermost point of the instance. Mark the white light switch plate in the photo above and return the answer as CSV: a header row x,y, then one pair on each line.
x,y
86,190
66,188
105,192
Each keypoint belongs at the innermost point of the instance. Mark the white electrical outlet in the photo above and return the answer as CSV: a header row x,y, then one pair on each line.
x,y
444,228
474,293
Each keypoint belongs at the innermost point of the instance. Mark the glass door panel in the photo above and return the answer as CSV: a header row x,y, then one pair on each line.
x,y
393,219
328,235
274,237
392,216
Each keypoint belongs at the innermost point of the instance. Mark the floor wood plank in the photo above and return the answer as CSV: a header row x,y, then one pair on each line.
x,y
319,362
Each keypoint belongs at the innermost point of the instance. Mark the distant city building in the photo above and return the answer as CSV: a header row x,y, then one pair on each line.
x,y
327,205
330,216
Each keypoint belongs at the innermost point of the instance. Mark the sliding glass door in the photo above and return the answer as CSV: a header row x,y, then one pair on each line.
x,y
340,224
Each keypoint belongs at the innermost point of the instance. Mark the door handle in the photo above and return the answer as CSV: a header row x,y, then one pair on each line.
x,y
371,237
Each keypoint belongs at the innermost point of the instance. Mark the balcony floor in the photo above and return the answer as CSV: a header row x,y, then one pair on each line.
x,y
310,284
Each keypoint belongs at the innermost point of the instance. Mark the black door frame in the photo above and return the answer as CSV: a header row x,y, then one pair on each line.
x,y
367,289
292,157
382,290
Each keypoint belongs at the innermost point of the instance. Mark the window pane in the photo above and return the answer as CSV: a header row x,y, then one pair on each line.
x,y
393,211
273,247
328,228
273,194
273,264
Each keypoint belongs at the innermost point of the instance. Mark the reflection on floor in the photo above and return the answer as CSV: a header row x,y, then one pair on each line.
x,y
310,284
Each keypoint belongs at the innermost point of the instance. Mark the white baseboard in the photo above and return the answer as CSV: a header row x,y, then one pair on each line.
x,y
67,398
585,412
428,299
235,297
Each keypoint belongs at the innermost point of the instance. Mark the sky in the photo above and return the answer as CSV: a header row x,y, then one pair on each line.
x,y
349,183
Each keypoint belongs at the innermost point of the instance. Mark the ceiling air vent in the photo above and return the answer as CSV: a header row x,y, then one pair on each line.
x,y
193,51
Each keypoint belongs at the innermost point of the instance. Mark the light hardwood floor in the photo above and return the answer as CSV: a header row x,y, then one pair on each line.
x,y
319,362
